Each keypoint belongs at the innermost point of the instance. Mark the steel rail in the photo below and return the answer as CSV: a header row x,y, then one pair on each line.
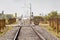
x,y
17,34
38,34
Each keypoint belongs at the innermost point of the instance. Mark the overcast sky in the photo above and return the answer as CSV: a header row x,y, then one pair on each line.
x,y
22,6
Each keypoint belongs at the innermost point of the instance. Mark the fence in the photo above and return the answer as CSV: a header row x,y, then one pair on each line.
x,y
55,24
2,23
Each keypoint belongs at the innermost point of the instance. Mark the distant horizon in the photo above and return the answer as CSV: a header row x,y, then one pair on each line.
x,y
21,7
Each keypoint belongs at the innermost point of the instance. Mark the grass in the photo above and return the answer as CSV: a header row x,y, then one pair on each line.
x,y
49,29
8,28
5,30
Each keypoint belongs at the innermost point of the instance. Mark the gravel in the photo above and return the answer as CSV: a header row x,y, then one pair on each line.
x,y
9,34
45,33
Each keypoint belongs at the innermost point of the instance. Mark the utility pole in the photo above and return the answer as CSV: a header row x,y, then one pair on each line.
x,y
30,13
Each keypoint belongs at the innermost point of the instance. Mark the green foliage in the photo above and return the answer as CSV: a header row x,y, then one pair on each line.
x,y
46,17
36,20
52,14
8,16
36,17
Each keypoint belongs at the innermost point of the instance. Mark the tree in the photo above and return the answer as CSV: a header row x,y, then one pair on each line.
x,y
53,16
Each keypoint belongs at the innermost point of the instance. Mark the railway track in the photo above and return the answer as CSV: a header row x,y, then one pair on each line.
x,y
27,33
17,33
38,34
